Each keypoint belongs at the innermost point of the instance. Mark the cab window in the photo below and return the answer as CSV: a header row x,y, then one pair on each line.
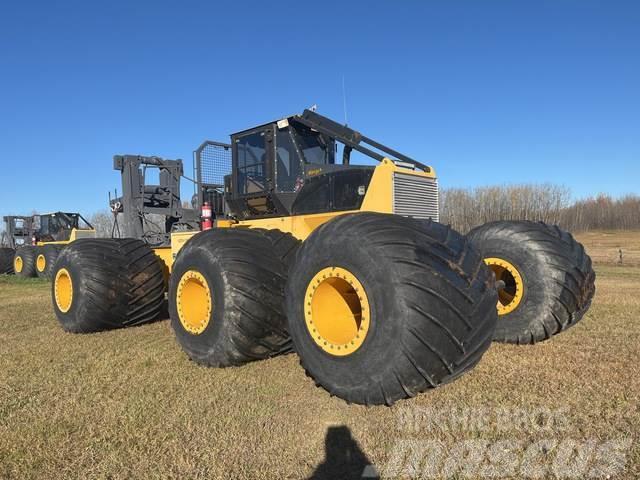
x,y
289,171
315,148
252,160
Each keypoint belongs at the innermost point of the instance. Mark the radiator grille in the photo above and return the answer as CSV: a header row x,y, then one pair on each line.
x,y
415,196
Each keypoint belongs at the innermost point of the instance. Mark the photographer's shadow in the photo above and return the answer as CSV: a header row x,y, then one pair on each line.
x,y
344,460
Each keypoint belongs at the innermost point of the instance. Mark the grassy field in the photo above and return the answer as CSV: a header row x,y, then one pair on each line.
x,y
605,247
129,404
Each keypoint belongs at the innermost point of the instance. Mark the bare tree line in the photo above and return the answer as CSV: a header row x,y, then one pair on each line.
x,y
102,221
468,208
464,209
603,213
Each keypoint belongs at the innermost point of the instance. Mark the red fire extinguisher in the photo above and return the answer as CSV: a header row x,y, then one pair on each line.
x,y
207,222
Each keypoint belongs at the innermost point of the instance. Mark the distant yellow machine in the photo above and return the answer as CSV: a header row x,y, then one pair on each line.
x,y
48,234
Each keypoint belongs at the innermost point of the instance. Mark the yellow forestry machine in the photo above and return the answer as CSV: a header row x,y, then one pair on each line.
x,y
345,264
34,242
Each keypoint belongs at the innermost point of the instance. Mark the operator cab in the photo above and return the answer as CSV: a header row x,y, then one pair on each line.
x,y
57,227
289,167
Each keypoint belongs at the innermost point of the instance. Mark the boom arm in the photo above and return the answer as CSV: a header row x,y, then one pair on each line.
x,y
352,138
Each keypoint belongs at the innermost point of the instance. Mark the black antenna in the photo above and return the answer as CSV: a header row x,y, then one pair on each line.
x,y
344,102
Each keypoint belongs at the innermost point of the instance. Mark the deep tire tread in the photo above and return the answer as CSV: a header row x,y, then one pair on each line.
x,y
51,253
28,254
567,269
253,275
441,287
117,283
6,260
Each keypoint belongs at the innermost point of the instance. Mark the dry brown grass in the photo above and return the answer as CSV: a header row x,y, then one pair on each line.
x,y
604,246
128,403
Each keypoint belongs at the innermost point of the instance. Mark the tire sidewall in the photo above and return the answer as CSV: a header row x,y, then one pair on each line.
x,y
51,254
28,254
534,297
41,250
106,276
378,349
69,319
196,257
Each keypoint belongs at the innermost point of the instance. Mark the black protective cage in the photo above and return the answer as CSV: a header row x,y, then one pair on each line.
x,y
211,163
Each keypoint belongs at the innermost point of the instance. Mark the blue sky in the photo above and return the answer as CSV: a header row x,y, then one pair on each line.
x,y
487,92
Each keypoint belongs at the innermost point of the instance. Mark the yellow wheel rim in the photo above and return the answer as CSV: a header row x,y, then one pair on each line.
x,y
337,313
18,264
510,296
63,290
193,301
41,263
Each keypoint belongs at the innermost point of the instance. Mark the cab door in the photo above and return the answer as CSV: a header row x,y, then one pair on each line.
x,y
252,177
